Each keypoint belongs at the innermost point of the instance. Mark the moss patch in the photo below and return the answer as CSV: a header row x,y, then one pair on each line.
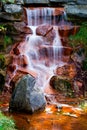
x,y
6,123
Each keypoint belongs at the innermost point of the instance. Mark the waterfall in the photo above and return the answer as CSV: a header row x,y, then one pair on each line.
x,y
44,57
44,15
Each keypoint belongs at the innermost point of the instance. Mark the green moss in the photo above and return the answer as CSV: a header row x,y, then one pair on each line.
x,y
7,41
62,85
10,28
18,15
80,38
8,1
2,61
2,28
6,123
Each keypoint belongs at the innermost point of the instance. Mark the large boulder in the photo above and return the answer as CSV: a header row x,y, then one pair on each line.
x,y
27,97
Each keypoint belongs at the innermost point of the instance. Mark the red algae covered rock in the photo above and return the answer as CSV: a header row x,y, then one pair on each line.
x,y
67,51
67,30
43,30
18,65
68,71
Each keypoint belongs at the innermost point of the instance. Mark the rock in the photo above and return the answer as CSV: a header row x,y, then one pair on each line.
x,y
76,10
16,50
13,8
22,28
19,2
67,51
27,97
50,36
8,59
68,71
36,1
43,30
78,56
79,88
62,85
67,30
47,32
63,1
82,2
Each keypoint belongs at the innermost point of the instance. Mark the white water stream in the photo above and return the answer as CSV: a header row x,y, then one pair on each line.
x,y
43,58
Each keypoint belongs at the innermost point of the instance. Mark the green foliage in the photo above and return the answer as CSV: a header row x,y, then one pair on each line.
x,y
2,28
83,105
7,41
2,57
6,1
6,123
80,38
2,61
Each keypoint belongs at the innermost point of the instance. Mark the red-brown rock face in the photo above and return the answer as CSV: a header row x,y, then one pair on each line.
x,y
68,71
67,30
43,50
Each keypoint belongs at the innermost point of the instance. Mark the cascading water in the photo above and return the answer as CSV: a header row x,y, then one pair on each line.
x,y
43,56
39,16
45,15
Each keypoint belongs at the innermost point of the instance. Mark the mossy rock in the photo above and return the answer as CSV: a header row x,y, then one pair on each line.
x,y
62,85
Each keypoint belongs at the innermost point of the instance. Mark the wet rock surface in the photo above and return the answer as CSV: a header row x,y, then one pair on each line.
x,y
43,30
22,28
68,71
67,30
77,10
20,55
12,8
36,2
72,7
27,96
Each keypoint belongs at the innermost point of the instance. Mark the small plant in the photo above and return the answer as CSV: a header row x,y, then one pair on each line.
x,y
7,41
83,105
2,28
2,60
6,123
80,38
